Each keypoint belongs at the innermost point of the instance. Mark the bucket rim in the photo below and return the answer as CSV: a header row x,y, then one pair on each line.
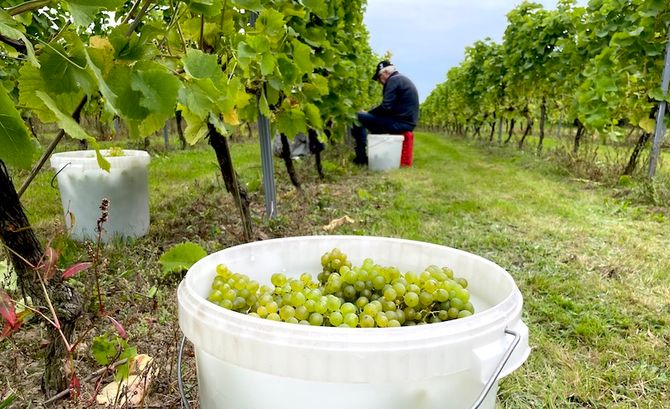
x,y
88,158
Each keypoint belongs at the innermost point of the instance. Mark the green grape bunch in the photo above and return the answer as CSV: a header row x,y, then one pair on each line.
x,y
343,295
332,261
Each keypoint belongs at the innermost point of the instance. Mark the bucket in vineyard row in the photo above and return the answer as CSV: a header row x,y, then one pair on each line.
x,y
248,362
83,185
384,151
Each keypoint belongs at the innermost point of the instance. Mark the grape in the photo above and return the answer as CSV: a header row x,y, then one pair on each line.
x,y
278,279
367,321
390,294
315,319
348,308
441,295
273,316
425,298
286,312
342,295
298,299
351,319
336,318
301,313
411,299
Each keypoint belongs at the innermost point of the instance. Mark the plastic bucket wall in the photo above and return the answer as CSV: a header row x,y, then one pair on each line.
x,y
83,185
248,362
384,151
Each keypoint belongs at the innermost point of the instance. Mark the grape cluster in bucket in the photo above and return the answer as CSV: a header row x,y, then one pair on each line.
x,y
342,295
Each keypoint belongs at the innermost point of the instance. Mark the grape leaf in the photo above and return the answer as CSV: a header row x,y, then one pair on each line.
x,y
103,350
648,124
152,123
196,127
658,94
16,148
218,124
263,105
199,97
208,8
291,122
181,257
102,162
8,28
321,83
129,101
268,63
72,128
200,65
259,43
64,71
128,47
31,81
318,7
288,70
245,54
254,5
238,92
313,115
271,22
99,54
158,87
83,11
302,56
65,121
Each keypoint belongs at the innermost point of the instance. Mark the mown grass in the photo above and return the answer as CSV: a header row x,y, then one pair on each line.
x,y
593,268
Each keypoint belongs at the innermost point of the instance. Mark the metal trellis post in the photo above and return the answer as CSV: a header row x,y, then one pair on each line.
x,y
660,115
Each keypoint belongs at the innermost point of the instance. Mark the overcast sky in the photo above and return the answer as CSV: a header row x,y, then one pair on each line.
x,y
427,37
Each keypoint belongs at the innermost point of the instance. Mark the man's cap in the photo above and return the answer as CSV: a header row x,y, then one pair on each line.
x,y
380,66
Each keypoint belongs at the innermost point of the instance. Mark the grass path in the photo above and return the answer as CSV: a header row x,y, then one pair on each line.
x,y
594,272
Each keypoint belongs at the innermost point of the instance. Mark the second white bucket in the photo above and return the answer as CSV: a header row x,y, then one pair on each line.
x,y
83,185
245,362
384,151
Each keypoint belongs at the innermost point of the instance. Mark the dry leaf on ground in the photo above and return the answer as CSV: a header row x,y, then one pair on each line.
x,y
335,223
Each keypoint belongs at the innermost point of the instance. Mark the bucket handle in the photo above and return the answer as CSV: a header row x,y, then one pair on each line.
x,y
499,368
180,381
53,179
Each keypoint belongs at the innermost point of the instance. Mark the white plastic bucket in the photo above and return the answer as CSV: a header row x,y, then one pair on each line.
x,y
83,185
384,151
245,362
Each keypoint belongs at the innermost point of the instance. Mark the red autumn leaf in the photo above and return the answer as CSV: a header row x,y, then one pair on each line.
x,y
119,328
49,264
77,268
8,312
75,386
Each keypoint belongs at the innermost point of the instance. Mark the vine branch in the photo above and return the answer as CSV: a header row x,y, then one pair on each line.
x,y
27,6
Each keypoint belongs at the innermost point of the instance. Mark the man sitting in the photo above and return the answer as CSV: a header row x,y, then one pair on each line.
x,y
398,112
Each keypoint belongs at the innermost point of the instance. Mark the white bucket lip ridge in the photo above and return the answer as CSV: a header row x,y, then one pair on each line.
x,y
351,354
387,137
86,159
